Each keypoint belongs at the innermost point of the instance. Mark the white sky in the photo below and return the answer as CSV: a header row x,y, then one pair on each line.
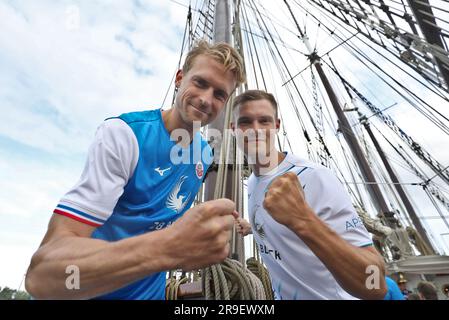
x,y
65,67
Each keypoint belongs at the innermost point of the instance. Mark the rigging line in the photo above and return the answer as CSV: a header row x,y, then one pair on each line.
x,y
427,5
374,114
400,164
265,86
437,207
423,154
320,57
386,183
412,164
351,171
279,36
432,16
260,68
430,117
423,104
278,23
351,12
286,68
284,45
169,87
381,54
184,5
368,89
381,111
276,62
279,109
189,17
432,217
436,175
296,110
378,52
406,6
316,35
337,20
251,54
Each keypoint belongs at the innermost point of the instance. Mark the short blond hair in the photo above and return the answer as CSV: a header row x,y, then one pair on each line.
x,y
222,53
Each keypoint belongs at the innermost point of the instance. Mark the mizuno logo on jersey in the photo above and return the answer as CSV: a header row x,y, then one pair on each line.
x,y
161,171
175,201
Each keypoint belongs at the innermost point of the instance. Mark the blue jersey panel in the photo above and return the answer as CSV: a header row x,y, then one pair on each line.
x,y
162,187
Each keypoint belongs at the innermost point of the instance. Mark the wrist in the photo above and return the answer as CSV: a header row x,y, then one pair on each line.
x,y
306,224
156,253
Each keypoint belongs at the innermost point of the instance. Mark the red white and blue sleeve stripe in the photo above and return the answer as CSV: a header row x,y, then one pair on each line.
x,y
79,215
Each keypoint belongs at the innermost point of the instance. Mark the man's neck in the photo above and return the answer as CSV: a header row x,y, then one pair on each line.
x,y
172,120
275,158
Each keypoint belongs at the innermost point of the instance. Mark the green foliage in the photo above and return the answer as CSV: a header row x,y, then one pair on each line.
x,y
10,294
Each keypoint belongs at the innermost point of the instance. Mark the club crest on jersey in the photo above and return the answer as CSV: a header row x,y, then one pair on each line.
x,y
175,200
199,169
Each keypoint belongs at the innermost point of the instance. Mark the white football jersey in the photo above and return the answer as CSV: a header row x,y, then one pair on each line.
x,y
295,271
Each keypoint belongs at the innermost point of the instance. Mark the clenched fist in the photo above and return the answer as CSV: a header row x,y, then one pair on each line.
x,y
201,237
286,203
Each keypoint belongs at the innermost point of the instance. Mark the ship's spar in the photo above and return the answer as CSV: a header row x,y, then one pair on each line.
x,y
420,52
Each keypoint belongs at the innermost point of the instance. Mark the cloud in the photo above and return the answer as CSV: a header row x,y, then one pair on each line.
x,y
67,66
65,81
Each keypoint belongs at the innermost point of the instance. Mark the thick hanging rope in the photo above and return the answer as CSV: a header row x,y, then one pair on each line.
x,y
172,287
261,272
232,281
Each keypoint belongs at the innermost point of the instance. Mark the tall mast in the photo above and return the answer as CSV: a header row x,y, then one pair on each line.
x,y
405,200
425,18
222,33
345,127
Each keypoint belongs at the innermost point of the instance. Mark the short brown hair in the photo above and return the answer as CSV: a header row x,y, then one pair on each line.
x,y
220,52
428,290
253,95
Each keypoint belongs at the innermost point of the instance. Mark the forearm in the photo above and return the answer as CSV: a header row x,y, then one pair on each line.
x,y
347,263
103,266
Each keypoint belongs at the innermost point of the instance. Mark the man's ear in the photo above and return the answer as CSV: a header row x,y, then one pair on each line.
x,y
178,78
278,124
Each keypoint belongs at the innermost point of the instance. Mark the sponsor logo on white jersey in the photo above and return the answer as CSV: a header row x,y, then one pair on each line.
x,y
161,171
175,201
257,226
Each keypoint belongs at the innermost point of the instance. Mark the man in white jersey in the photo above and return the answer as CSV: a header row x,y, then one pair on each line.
x,y
115,233
310,237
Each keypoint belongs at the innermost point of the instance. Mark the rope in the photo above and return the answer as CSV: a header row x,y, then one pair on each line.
x,y
262,274
230,280
172,287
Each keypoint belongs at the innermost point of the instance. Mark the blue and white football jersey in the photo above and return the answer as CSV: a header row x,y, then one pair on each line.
x,y
136,180
296,272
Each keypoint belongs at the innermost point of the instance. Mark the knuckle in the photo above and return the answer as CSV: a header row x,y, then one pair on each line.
x,y
205,206
266,203
227,203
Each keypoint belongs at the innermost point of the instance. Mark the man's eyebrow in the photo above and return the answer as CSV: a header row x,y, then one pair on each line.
x,y
199,78
220,90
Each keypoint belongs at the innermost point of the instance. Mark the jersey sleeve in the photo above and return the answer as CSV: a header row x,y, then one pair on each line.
x,y
111,161
331,202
